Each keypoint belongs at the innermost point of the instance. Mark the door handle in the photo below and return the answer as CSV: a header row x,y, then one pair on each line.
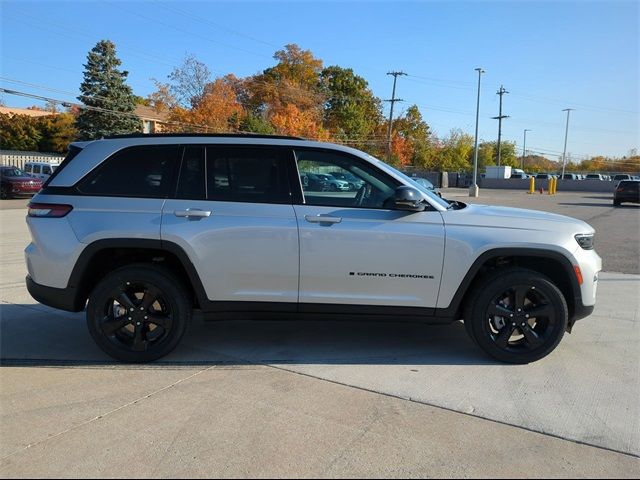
x,y
192,213
322,219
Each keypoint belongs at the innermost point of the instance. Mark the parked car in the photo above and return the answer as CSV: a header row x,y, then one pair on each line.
x,y
354,182
41,170
140,256
15,182
570,176
313,183
519,175
595,176
544,176
423,182
626,191
335,184
622,176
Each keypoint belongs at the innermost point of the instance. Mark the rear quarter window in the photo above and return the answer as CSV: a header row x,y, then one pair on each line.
x,y
143,171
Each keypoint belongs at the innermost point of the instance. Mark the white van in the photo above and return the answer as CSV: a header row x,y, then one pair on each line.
x,y
42,170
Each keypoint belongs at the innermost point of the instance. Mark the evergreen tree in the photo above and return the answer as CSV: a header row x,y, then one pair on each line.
x,y
104,87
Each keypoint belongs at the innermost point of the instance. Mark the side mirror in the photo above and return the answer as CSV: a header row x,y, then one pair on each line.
x,y
410,199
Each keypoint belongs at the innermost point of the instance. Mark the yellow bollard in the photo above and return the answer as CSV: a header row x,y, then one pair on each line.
x,y
550,186
532,184
555,186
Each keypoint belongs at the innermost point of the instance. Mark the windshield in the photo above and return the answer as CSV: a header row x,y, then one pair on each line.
x,y
433,198
13,172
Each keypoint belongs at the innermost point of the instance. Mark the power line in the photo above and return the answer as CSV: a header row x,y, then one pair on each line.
x,y
181,30
208,22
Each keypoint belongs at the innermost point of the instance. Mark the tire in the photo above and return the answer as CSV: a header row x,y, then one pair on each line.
x,y
148,292
4,193
616,203
505,301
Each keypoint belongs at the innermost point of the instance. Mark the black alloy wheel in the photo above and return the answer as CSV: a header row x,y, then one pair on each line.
x,y
138,313
517,316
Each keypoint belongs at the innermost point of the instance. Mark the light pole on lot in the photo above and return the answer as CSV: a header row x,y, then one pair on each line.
x,y
566,134
524,147
473,189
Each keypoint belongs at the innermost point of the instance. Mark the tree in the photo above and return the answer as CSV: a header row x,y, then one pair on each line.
x,y
414,130
189,80
57,132
256,124
217,109
293,121
456,152
295,80
19,132
104,87
351,111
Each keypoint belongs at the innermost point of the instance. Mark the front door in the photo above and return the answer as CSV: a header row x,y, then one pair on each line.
x,y
355,249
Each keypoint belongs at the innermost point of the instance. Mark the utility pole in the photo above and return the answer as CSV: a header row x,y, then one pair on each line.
x,y
566,134
393,101
473,189
500,92
524,147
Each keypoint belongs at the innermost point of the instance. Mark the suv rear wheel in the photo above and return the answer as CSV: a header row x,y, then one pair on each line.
x,y
516,315
138,313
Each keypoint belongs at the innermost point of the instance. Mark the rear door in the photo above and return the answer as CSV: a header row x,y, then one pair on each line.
x,y
233,216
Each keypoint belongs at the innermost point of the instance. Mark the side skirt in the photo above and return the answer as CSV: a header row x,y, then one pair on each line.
x,y
213,311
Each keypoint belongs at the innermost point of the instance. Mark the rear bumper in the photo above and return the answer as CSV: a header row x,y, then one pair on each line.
x,y
60,298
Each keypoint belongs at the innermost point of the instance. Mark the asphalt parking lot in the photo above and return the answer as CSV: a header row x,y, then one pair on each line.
x,y
312,399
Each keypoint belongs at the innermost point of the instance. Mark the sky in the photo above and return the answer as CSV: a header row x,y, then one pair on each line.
x,y
548,55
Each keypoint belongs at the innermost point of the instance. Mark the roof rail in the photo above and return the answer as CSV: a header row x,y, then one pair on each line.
x,y
214,135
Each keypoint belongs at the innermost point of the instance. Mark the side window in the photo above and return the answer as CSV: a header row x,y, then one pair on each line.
x,y
27,168
334,179
144,171
192,182
46,169
247,174
36,169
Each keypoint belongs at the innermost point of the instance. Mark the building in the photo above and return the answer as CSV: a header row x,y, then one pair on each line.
x,y
152,121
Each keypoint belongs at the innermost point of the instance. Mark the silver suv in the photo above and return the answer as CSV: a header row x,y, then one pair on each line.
x,y
142,230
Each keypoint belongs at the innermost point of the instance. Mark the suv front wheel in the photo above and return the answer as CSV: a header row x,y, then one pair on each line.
x,y
138,313
516,315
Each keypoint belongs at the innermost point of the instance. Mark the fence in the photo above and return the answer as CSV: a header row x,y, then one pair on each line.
x,y
18,158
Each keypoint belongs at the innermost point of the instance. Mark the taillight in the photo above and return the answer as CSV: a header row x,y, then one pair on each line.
x,y
49,210
619,189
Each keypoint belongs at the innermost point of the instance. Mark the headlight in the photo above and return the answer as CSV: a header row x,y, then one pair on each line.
x,y
585,240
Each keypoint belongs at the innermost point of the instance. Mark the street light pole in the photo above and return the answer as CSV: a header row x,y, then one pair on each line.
x,y
473,190
566,134
524,147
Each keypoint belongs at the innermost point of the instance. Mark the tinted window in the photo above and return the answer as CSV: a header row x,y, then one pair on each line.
x,y
367,186
46,169
192,181
36,169
257,175
27,168
143,171
235,174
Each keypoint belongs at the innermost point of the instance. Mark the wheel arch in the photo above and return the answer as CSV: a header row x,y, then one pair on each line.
x,y
551,263
103,256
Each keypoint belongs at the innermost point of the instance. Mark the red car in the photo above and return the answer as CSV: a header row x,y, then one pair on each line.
x,y
15,183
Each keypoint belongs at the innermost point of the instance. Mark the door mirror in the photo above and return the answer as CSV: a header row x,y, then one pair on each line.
x,y
410,199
